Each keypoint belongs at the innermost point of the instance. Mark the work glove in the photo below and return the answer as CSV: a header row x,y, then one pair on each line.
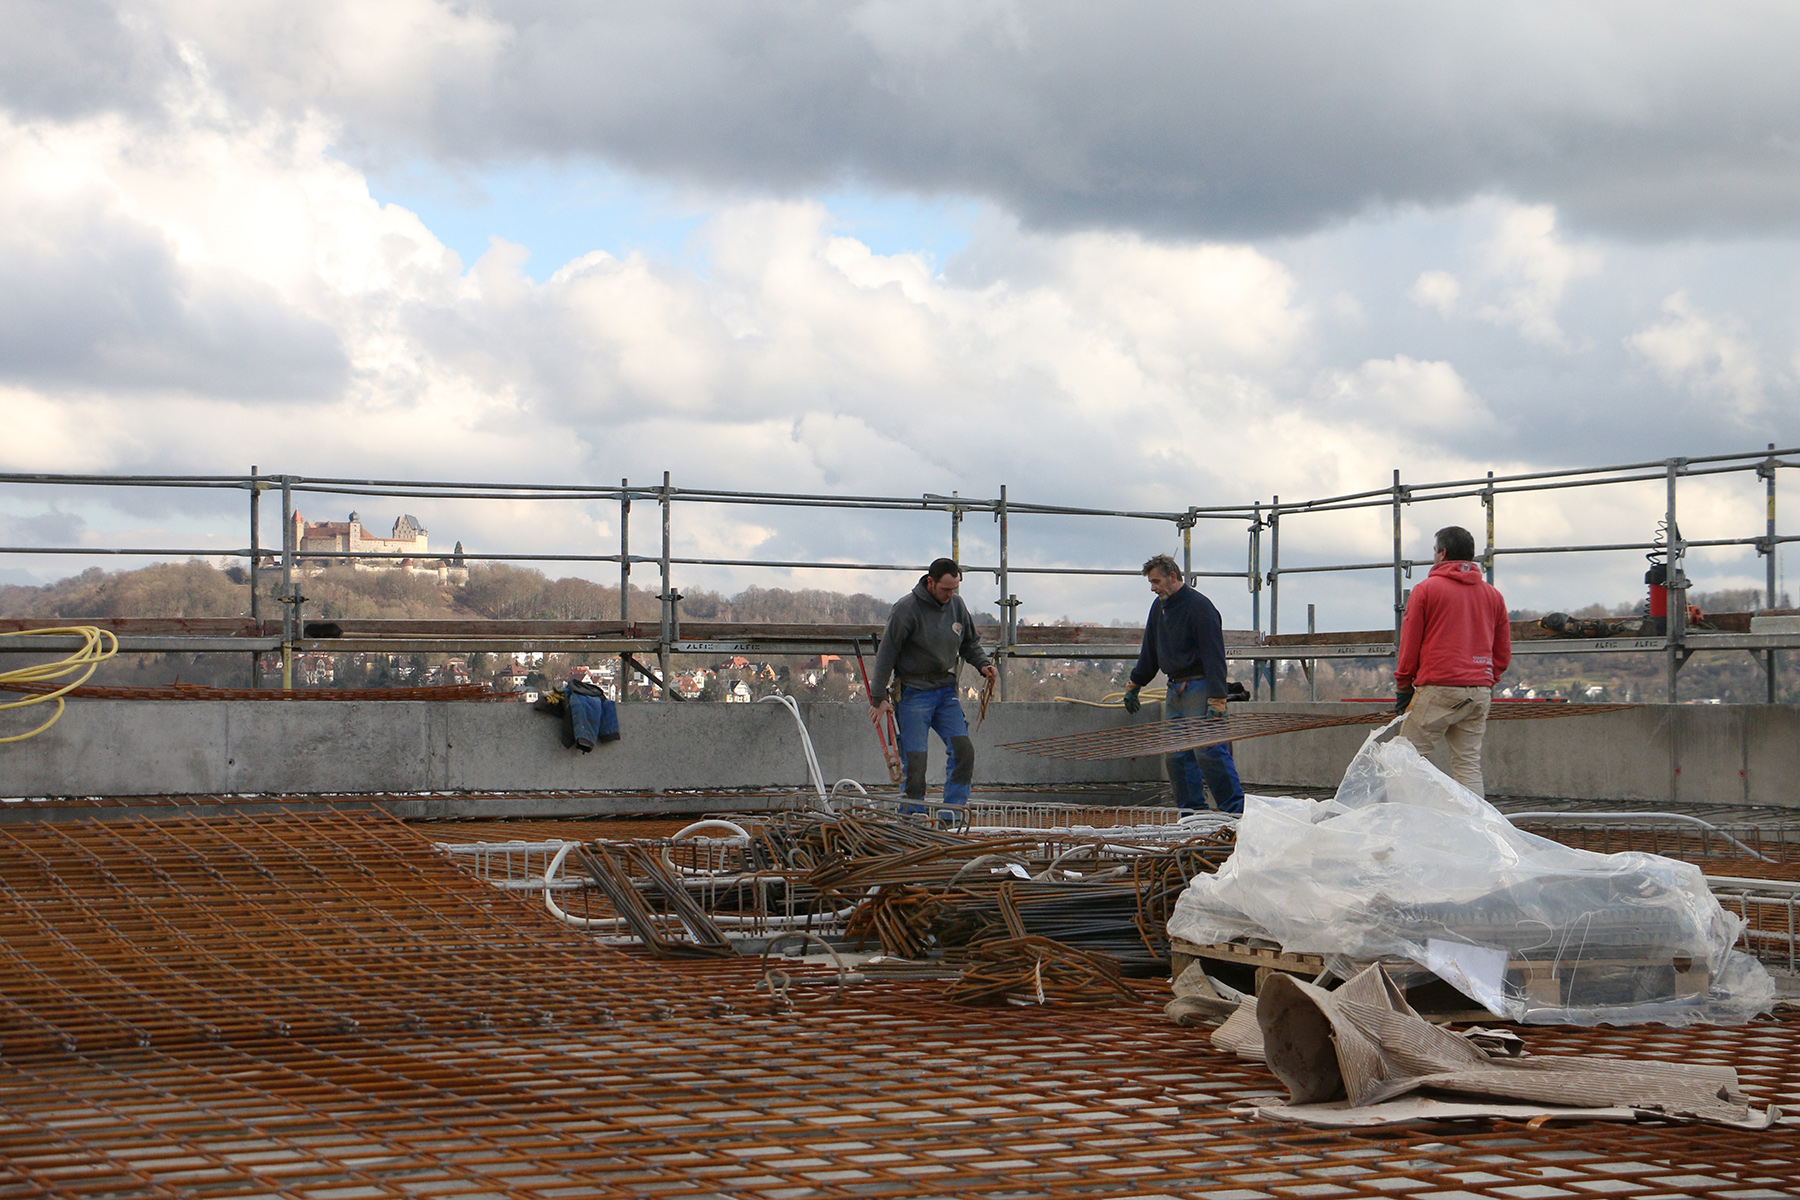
x,y
1401,700
1132,703
1216,705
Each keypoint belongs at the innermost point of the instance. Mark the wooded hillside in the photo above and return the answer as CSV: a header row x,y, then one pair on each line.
x,y
500,591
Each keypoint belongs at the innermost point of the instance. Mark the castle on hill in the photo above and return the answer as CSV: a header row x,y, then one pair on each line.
x,y
321,544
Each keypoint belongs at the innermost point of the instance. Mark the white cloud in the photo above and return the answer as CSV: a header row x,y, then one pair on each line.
x,y
385,60
1530,269
1410,397
1709,356
353,338
1436,289
1520,277
62,433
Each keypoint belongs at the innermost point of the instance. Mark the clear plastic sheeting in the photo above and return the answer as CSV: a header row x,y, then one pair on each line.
x,y
1404,863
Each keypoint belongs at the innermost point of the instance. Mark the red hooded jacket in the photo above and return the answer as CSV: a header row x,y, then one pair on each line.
x,y
1455,633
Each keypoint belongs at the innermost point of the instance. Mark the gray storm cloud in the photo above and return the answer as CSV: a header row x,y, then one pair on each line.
x,y
1212,120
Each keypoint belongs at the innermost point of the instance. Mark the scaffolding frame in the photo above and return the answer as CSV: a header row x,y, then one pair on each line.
x,y
1260,519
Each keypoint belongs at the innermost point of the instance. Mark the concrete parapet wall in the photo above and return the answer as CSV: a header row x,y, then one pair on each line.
x,y
1662,754
172,747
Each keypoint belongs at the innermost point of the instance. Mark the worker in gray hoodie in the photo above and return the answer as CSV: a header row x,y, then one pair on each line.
x,y
929,633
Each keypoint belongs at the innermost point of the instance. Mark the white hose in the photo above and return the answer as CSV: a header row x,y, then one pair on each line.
x,y
737,831
812,758
739,837
550,900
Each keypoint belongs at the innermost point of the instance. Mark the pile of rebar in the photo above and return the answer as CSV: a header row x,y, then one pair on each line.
x,y
917,892
1038,970
1122,913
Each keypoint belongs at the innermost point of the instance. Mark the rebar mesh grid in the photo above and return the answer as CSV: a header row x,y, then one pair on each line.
x,y
547,829
497,1054
993,812
668,800
162,932
905,1096
1703,847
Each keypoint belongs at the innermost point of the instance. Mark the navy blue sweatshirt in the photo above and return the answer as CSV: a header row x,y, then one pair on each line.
x,y
1184,639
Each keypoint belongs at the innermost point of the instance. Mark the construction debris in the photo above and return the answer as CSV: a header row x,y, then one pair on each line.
x,y
1038,915
1199,999
1363,1045
1038,970
1408,866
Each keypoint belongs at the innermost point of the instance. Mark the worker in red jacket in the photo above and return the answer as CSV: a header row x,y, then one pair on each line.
x,y
1455,643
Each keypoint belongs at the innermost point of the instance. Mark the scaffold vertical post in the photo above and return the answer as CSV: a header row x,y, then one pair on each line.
x,y
1312,627
1274,585
1399,562
287,582
955,529
1255,581
1769,598
1006,597
624,581
1187,545
255,565
1254,552
1487,502
1677,580
662,646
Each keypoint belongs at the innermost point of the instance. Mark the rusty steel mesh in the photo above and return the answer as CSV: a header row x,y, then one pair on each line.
x,y
1192,733
322,1006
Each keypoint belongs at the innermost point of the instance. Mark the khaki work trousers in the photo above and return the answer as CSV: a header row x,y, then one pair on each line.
x,y
1459,716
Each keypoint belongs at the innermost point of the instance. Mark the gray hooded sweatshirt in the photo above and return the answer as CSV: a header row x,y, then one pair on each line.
x,y
924,641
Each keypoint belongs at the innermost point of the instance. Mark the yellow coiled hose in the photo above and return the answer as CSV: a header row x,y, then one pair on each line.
x,y
99,645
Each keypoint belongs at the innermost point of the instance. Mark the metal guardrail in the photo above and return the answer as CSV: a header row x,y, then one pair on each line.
x,y
1262,522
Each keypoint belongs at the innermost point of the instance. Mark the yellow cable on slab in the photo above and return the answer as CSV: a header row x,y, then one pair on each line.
x,y
1117,699
99,645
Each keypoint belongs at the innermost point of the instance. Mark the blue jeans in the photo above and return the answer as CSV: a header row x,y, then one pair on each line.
x,y
922,709
1210,767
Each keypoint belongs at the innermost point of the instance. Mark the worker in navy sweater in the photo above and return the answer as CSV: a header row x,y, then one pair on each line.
x,y
930,632
1185,640
1455,644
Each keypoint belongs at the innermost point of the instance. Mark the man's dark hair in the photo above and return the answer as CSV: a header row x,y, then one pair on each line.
x,y
1457,543
1163,563
941,567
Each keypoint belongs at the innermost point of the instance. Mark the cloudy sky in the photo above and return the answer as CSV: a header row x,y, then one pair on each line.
x,y
1132,255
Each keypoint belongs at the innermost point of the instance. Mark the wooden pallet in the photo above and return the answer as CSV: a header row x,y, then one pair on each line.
x,y
1545,983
